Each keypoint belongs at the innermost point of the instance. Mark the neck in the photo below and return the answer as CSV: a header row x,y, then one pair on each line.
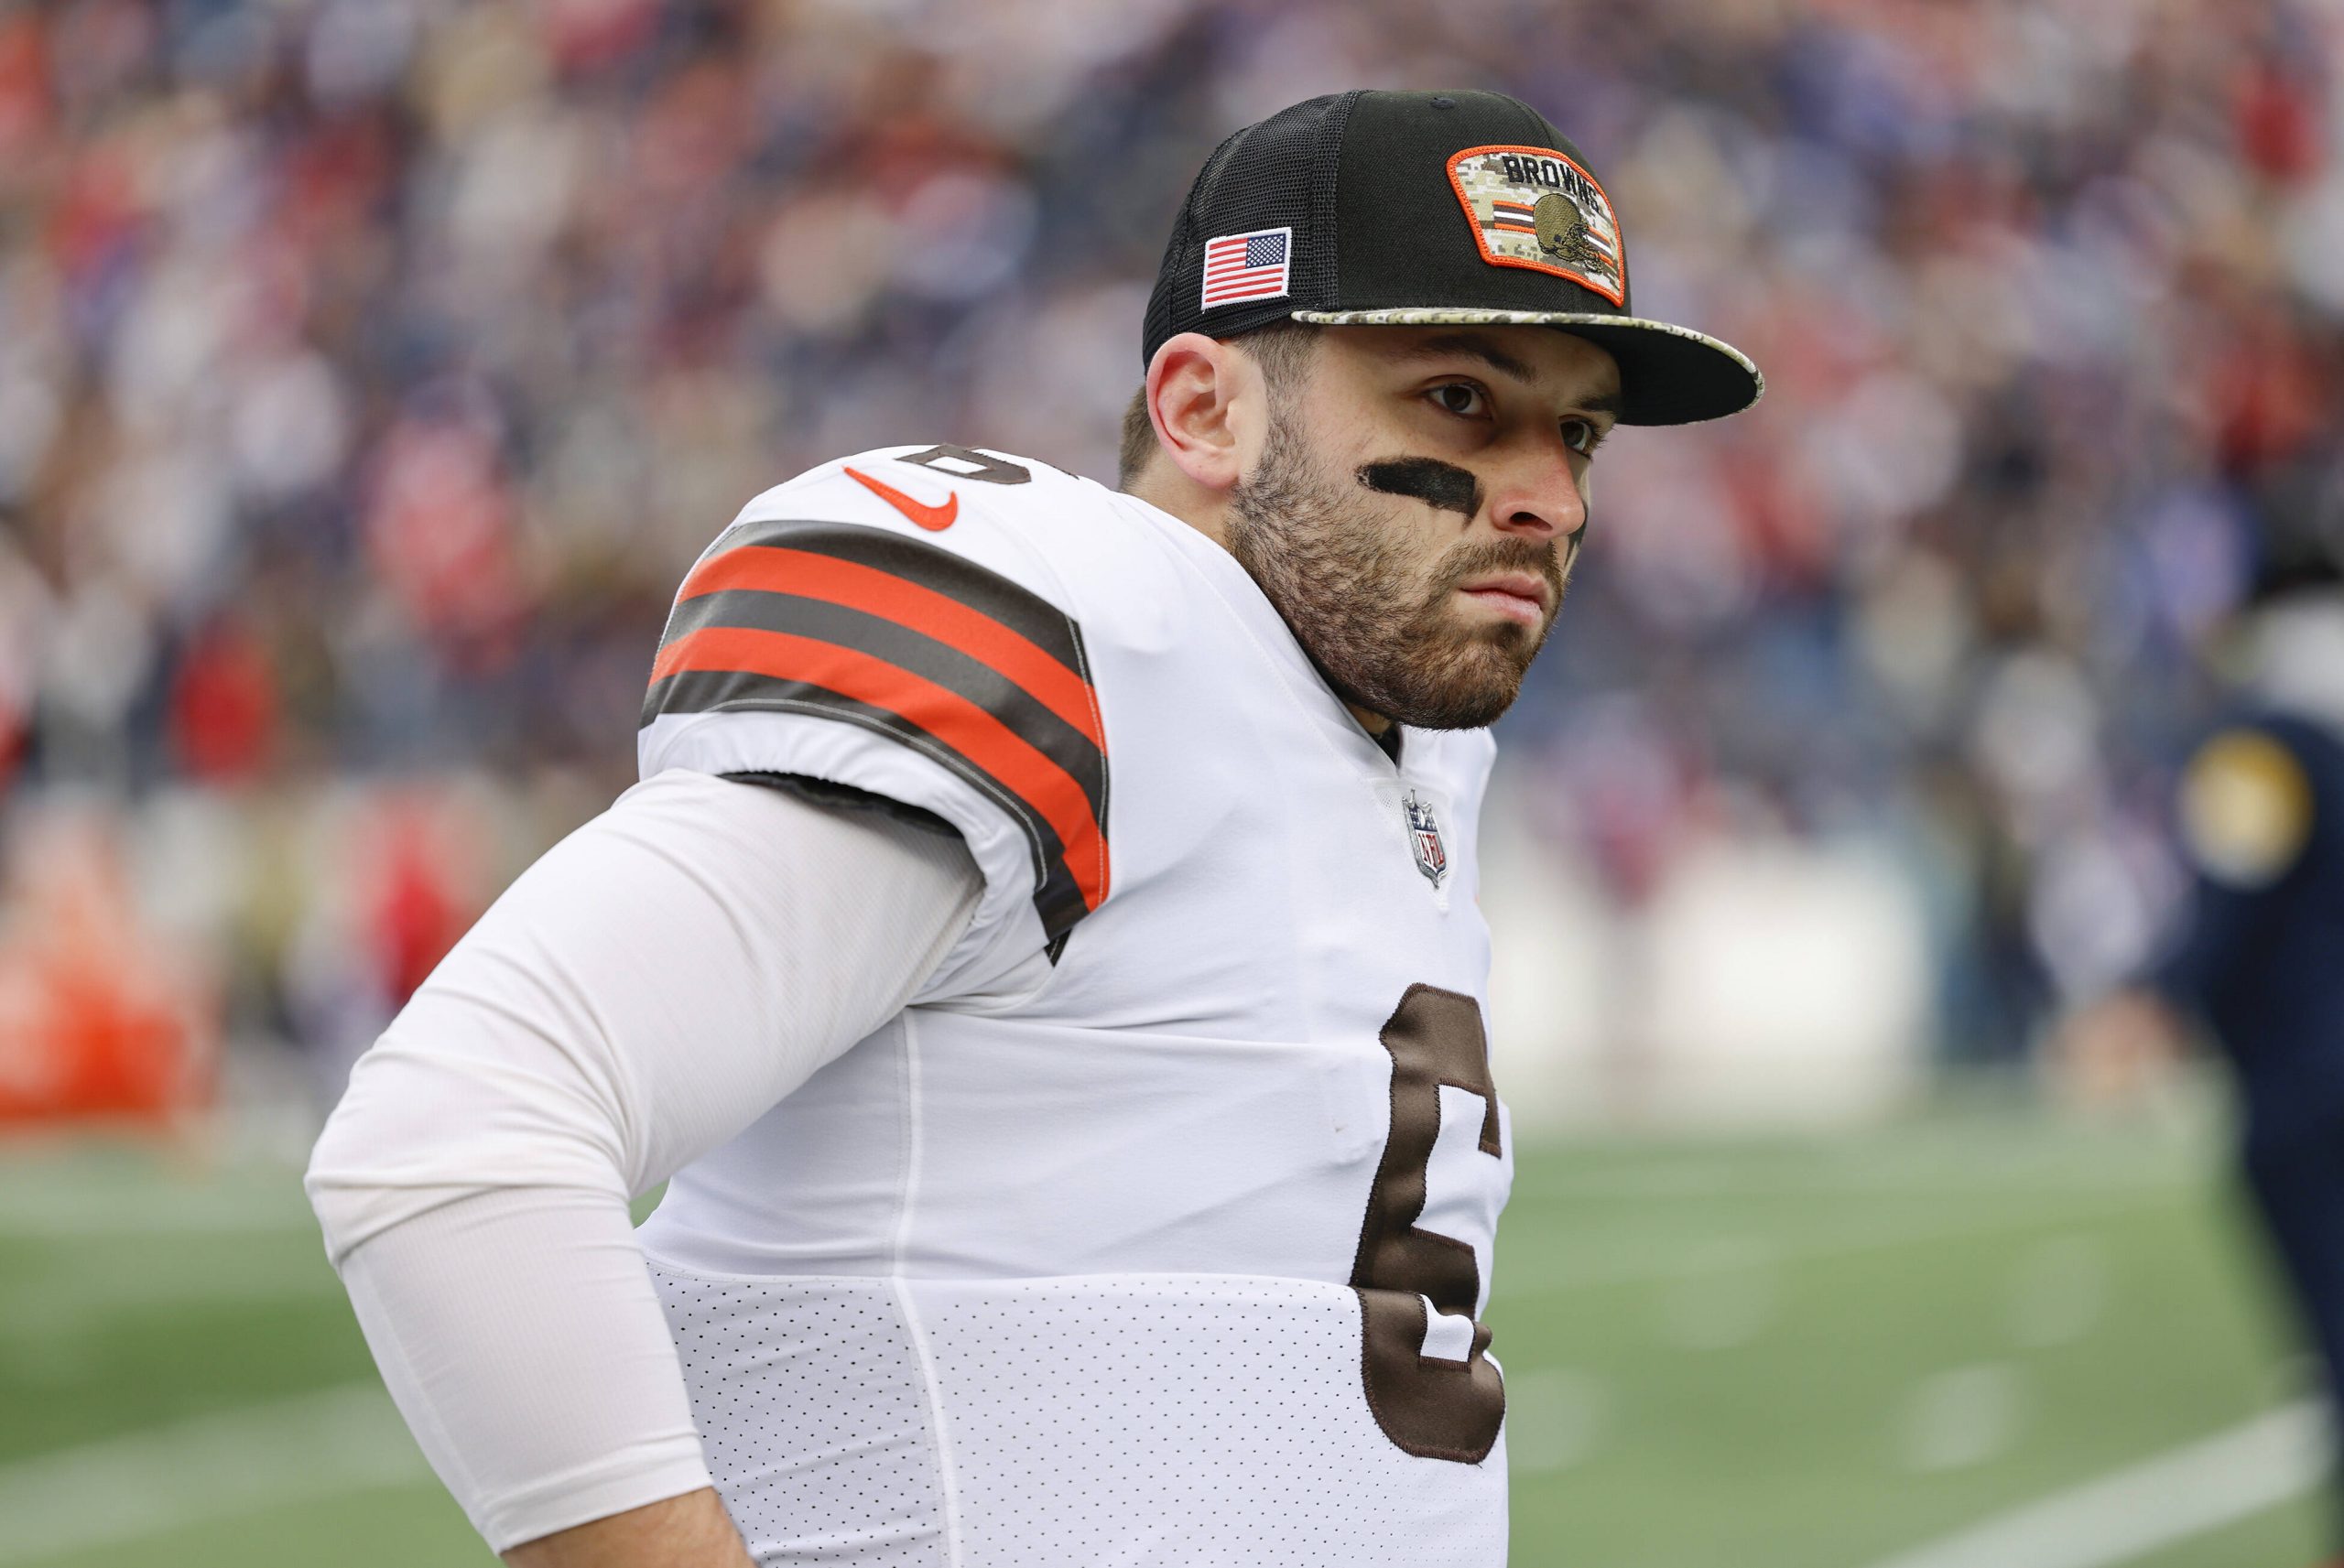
x,y
1168,490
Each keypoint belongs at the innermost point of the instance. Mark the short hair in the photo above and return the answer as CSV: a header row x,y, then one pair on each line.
x,y
1139,439
1283,350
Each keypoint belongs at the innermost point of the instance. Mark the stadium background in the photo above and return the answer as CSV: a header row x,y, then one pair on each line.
x,y
370,369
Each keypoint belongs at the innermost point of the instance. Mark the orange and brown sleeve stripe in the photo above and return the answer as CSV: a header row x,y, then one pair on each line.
x,y
916,643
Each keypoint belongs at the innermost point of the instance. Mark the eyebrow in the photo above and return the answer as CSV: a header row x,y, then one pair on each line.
x,y
1504,364
1471,346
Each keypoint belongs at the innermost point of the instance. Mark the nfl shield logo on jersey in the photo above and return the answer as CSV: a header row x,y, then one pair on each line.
x,y
1424,836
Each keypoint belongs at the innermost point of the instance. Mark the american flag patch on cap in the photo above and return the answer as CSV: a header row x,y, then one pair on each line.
x,y
1244,268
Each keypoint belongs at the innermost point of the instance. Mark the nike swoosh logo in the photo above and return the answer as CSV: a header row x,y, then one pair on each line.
x,y
935,519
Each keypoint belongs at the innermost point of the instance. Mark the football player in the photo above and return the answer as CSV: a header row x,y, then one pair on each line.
x,y
1041,956
2252,969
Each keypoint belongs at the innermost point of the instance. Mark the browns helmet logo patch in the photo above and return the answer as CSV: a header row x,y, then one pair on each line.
x,y
1533,207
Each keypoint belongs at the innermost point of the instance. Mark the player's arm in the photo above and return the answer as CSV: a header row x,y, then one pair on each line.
x,y
690,1531
2246,813
641,994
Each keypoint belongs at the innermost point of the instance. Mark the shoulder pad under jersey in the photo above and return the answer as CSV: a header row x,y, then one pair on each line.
x,y
890,621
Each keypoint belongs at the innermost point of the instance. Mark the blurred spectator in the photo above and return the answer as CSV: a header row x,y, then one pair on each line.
x,y
371,368
100,1016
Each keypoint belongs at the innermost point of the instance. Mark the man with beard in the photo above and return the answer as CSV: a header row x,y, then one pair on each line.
x,y
1053,1175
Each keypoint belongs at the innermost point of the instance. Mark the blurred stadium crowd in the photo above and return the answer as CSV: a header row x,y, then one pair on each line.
x,y
369,369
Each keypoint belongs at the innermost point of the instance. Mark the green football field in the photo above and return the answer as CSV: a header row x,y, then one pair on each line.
x,y
1974,1339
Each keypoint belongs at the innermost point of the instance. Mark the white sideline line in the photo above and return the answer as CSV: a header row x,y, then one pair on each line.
x,y
143,1483
2187,1491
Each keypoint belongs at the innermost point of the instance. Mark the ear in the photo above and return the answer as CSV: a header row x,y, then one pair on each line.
x,y
1205,400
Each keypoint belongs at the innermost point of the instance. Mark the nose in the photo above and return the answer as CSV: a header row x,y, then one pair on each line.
x,y
1535,496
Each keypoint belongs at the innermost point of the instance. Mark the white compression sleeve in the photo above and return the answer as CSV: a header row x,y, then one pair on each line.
x,y
646,990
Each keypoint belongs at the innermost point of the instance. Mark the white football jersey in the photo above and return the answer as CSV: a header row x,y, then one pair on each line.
x,y
1156,1230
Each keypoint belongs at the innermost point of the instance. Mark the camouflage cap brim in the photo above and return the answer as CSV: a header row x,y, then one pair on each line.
x,y
1668,374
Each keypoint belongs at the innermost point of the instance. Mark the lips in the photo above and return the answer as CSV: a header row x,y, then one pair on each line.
x,y
1521,595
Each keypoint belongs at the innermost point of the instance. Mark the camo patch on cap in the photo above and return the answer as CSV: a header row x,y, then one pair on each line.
x,y
1533,207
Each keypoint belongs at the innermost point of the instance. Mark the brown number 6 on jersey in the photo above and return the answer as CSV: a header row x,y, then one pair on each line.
x,y
1435,1408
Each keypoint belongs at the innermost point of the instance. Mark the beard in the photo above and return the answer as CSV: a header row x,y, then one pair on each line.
x,y
1381,631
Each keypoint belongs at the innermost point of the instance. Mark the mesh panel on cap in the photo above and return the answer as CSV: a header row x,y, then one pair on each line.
x,y
1286,177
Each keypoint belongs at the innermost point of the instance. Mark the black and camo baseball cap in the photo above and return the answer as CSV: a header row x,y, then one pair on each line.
x,y
1422,209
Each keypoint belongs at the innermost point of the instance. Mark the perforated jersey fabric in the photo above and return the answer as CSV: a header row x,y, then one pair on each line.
x,y
814,1407
1108,1245
1137,1419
